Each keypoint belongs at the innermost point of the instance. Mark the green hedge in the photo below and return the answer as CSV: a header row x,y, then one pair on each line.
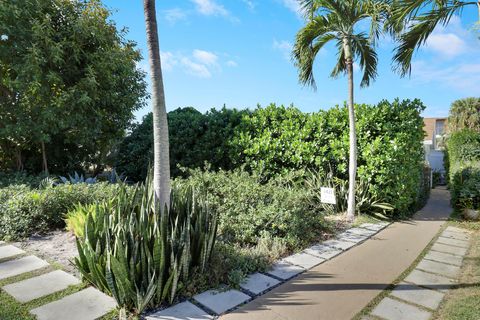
x,y
194,138
276,140
25,211
463,151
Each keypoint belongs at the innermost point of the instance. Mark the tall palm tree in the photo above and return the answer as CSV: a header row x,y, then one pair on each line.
x,y
337,21
161,161
415,20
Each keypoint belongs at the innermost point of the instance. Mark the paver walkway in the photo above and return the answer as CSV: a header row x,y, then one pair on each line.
x,y
340,288
86,304
424,288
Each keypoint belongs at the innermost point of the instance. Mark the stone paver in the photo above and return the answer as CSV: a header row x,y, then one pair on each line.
x,y
285,271
304,260
455,235
323,251
373,226
356,238
443,269
455,229
425,297
453,242
9,251
257,283
449,249
25,264
88,304
182,311
395,310
40,286
339,244
361,231
430,280
444,257
220,302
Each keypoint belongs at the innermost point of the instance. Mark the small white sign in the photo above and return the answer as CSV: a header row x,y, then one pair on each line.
x,y
327,195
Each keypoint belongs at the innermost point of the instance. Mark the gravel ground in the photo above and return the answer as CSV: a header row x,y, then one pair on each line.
x,y
58,246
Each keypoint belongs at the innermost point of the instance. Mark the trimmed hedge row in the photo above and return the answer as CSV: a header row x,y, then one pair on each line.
x,y
463,163
276,140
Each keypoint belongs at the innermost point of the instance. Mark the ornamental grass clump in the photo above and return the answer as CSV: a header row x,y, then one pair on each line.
x,y
140,256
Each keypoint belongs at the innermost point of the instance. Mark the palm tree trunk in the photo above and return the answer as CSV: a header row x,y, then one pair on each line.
x,y
352,164
161,161
44,159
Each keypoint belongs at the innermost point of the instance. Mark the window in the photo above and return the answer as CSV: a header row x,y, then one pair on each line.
x,y
440,127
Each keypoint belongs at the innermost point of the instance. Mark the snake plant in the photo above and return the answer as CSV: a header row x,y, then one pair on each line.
x,y
139,256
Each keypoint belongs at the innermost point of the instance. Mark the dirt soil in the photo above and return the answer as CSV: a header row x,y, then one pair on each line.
x,y
58,246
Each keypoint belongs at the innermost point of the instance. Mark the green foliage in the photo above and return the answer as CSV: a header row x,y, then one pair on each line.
x,y
250,209
140,256
69,80
464,114
197,138
365,202
276,140
25,211
463,149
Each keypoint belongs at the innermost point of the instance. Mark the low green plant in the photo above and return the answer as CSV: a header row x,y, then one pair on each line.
x,y
25,211
366,202
251,207
140,255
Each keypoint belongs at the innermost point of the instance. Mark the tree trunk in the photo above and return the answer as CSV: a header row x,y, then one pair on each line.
x,y
44,159
352,165
161,161
19,160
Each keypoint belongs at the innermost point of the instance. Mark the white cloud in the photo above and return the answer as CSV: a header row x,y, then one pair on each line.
x,y
205,57
169,60
294,6
174,15
448,45
284,46
462,77
210,8
250,4
195,69
199,63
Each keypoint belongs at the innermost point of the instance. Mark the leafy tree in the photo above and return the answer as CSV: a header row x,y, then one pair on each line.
x,y
336,21
464,114
68,86
161,160
415,20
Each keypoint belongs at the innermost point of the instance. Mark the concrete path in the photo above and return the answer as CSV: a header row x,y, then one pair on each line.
x,y
87,304
340,288
424,288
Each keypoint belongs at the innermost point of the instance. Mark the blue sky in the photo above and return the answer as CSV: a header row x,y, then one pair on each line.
x,y
237,53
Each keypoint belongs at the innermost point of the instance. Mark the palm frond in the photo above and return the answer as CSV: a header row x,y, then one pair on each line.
x,y
310,39
421,27
367,57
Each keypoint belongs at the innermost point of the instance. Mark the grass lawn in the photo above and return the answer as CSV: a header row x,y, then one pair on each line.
x,y
463,303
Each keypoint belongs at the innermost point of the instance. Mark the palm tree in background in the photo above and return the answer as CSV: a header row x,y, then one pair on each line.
x,y
337,21
415,20
161,161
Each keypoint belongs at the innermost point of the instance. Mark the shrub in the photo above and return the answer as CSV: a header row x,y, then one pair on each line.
x,y
276,140
26,211
365,202
463,149
250,208
197,138
141,256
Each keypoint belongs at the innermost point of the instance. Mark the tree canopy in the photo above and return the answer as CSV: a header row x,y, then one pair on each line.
x,y
69,80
